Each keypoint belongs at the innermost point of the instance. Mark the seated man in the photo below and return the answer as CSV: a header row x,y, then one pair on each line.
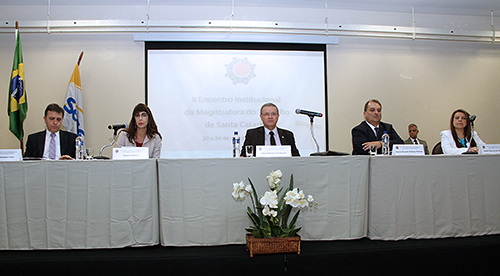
x,y
413,140
265,135
52,143
369,132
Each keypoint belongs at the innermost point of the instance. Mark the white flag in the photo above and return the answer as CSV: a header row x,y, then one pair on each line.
x,y
73,105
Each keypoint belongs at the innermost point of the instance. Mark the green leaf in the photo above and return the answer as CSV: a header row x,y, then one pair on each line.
x,y
256,233
265,229
294,219
286,214
257,201
294,232
254,218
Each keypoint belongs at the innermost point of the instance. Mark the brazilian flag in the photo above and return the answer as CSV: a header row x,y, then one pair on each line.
x,y
17,102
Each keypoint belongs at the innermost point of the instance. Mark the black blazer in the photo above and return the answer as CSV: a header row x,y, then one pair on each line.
x,y
36,144
363,133
255,137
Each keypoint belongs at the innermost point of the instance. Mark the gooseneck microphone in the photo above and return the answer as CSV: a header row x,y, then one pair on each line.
x,y
118,126
472,118
308,113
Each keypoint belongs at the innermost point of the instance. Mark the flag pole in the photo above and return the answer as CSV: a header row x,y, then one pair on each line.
x,y
80,58
21,142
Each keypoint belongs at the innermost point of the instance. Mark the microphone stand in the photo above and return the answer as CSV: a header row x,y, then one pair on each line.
x,y
470,141
100,151
312,132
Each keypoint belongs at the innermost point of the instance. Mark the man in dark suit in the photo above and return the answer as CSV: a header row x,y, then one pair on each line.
x,y
269,134
413,140
52,143
369,132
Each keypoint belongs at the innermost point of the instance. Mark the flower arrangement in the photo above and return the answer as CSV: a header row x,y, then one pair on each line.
x,y
271,212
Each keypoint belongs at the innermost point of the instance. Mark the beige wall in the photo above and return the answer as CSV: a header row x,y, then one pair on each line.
x,y
416,81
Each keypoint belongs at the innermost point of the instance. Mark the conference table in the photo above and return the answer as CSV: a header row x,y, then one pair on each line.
x,y
433,196
197,208
78,204
188,202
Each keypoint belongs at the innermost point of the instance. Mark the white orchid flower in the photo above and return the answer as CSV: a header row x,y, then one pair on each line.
x,y
310,198
274,213
266,211
269,199
248,189
274,179
239,192
303,203
295,202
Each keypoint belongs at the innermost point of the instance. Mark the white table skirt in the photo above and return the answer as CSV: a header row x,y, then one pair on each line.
x,y
196,206
433,196
78,204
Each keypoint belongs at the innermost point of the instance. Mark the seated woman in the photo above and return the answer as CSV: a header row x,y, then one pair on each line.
x,y
459,139
142,132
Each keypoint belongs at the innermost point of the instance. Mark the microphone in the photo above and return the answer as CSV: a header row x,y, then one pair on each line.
x,y
308,113
472,118
116,127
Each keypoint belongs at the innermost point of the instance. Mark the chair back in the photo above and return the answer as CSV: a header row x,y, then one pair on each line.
x,y
437,149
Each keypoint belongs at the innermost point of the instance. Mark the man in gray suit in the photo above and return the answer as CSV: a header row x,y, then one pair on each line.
x,y
413,140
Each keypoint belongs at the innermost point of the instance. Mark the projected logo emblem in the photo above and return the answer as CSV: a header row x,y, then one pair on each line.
x,y
240,70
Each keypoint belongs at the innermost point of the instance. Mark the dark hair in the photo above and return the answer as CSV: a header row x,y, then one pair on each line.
x,y
370,101
412,125
151,130
269,104
54,107
467,129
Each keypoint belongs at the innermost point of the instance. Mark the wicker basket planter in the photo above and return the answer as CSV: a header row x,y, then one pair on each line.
x,y
272,245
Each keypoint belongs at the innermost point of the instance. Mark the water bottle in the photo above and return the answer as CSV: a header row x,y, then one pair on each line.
x,y
236,144
79,148
385,143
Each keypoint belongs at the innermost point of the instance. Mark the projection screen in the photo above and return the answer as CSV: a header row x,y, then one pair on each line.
x,y
200,93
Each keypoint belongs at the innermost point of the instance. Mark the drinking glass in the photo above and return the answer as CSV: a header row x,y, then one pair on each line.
x,y
249,151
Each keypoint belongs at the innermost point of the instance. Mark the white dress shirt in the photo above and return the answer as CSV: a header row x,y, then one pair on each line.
x,y
267,137
47,145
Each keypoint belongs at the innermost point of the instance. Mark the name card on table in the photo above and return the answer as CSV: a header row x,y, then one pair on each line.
x,y
10,155
408,150
490,149
273,151
131,153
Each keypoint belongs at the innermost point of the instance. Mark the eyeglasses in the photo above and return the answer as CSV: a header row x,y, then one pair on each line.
x,y
142,114
269,114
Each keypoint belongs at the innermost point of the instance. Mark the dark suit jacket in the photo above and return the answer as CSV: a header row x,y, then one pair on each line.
x,y
363,133
36,144
255,137
422,142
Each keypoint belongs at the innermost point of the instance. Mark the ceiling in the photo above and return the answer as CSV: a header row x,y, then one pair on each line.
x,y
454,7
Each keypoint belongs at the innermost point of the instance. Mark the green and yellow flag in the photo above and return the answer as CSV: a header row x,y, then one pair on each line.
x,y
17,102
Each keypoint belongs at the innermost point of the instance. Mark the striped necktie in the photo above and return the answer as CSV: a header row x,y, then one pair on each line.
x,y
52,146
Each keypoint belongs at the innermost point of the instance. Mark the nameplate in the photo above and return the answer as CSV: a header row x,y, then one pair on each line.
x,y
408,150
273,151
131,153
10,155
490,149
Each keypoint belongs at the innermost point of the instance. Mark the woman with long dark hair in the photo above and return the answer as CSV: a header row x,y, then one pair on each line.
x,y
142,132
459,138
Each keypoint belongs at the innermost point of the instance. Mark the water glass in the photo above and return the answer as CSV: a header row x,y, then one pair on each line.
x,y
249,151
